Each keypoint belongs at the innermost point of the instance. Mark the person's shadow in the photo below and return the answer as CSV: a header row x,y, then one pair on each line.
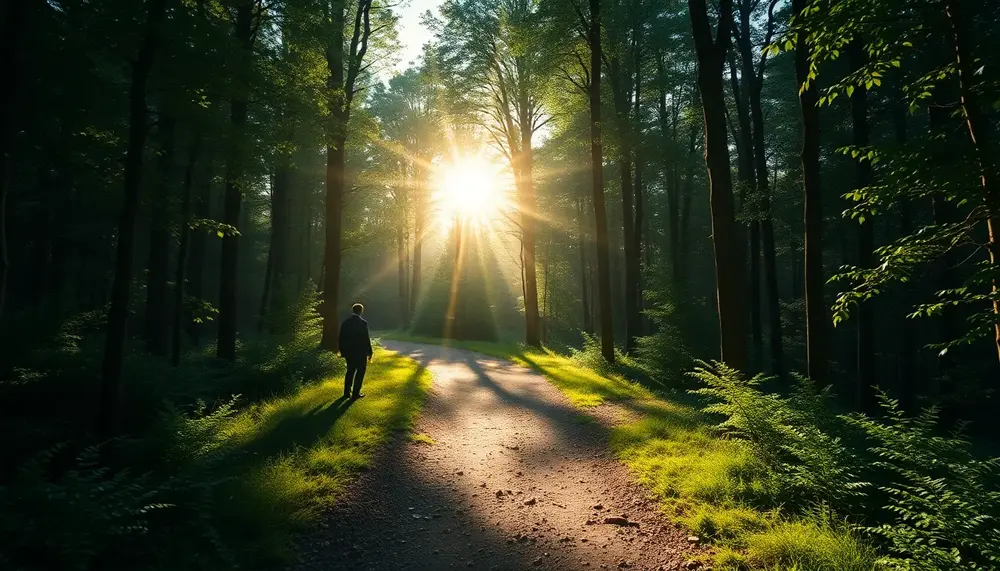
x,y
297,428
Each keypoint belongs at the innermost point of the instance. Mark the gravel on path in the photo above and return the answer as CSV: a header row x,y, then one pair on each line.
x,y
516,478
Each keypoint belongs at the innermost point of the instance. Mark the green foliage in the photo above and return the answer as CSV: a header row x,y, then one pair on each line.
x,y
941,500
589,356
790,435
219,486
54,518
944,500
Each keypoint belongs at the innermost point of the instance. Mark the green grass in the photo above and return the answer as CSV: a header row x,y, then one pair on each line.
x,y
713,486
422,438
304,448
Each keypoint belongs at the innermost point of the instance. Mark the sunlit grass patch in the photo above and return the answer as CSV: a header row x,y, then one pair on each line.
x,y
802,546
422,438
301,450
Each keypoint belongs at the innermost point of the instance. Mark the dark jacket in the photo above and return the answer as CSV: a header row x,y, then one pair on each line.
x,y
354,342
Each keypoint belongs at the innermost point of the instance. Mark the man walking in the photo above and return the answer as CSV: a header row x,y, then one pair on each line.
x,y
356,347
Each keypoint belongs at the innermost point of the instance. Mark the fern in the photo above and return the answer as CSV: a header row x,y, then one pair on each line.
x,y
792,436
944,502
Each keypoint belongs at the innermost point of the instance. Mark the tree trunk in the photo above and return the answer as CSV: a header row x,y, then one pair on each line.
x,y
418,252
402,278
156,327
281,234
747,177
335,167
12,33
686,198
228,277
729,265
597,178
114,346
182,252
864,394
981,132
265,296
621,87
528,205
546,313
816,316
588,325
342,88
637,158
767,233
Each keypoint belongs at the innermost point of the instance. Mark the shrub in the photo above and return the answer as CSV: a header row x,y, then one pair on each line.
x,y
791,435
944,501
941,501
590,356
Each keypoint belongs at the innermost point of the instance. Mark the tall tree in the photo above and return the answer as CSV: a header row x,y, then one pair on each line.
x,y
729,267
981,132
500,69
342,83
816,313
754,76
138,121
597,180
246,20
861,128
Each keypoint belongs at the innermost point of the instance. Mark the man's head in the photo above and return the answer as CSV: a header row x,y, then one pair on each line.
x,y
357,309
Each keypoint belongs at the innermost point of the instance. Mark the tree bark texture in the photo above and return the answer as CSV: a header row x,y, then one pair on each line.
x,y
981,132
729,265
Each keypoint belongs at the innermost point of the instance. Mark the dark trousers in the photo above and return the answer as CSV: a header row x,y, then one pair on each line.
x,y
355,376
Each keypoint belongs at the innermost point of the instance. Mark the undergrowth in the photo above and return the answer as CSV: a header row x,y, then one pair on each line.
x,y
224,463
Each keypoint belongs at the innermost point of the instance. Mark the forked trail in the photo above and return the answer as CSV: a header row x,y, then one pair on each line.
x,y
516,478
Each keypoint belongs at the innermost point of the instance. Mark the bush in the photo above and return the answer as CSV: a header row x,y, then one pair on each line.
x,y
791,435
944,501
181,493
937,504
590,356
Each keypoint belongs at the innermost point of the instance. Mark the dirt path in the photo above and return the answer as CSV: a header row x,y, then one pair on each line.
x,y
516,479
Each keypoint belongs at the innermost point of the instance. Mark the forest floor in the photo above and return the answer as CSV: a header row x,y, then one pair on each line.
x,y
501,471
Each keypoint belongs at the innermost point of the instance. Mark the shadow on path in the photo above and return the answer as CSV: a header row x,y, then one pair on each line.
x,y
511,482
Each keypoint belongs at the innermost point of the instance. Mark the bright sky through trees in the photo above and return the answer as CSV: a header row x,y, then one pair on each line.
x,y
412,33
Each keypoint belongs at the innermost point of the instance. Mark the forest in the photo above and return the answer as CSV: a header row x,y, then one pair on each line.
x,y
784,213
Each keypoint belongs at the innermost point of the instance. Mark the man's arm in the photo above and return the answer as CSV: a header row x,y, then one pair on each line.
x,y
368,339
341,339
